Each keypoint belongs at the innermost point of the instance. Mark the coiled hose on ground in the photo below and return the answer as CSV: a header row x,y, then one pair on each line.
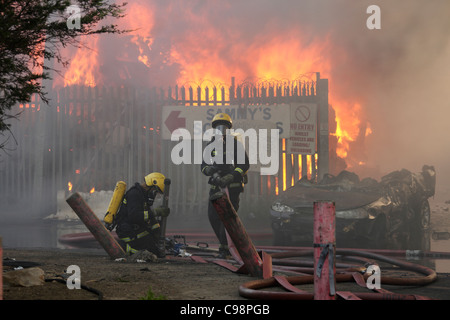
x,y
257,289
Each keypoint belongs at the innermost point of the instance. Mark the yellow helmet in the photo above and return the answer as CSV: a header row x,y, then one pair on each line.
x,y
222,118
155,179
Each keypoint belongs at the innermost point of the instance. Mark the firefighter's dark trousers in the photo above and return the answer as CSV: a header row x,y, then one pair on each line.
x,y
147,240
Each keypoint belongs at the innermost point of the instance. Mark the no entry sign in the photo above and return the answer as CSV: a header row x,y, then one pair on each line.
x,y
303,127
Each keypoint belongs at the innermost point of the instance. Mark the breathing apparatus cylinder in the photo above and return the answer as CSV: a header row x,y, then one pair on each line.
x,y
119,192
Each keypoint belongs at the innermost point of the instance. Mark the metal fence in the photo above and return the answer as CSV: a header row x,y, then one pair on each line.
x,y
88,138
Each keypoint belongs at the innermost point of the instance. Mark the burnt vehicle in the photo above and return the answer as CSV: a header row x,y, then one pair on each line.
x,y
391,214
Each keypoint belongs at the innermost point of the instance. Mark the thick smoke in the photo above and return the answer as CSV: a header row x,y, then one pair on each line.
x,y
398,74
401,71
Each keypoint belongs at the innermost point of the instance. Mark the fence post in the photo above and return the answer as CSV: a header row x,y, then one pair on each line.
x,y
324,250
1,269
95,226
322,130
238,234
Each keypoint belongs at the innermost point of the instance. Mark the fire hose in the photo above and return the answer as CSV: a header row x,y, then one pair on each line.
x,y
295,262
256,289
324,252
248,257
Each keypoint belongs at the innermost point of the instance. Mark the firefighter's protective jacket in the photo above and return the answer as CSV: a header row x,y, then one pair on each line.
x,y
238,168
135,215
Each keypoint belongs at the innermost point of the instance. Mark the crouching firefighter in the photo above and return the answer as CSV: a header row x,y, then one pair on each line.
x,y
137,223
232,175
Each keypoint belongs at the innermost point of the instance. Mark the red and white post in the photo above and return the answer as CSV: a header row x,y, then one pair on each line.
x,y
95,226
324,250
1,269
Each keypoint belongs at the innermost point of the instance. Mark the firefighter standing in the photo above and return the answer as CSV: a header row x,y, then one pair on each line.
x,y
137,225
230,175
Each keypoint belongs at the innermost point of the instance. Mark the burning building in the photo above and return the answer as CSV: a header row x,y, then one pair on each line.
x,y
190,45
103,104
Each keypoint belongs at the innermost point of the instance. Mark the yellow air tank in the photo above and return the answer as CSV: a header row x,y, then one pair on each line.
x,y
114,205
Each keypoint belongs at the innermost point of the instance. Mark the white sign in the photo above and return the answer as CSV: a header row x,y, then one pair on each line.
x,y
303,127
243,117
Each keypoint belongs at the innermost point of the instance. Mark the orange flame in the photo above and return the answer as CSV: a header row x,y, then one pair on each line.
x,y
283,57
92,190
69,186
348,125
140,19
208,57
84,66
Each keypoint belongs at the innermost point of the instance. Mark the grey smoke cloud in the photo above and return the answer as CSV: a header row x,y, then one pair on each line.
x,y
398,74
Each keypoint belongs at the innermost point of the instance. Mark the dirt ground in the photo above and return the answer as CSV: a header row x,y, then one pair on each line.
x,y
173,278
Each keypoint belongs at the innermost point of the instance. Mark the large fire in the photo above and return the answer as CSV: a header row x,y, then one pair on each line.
x,y
347,126
84,66
207,55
